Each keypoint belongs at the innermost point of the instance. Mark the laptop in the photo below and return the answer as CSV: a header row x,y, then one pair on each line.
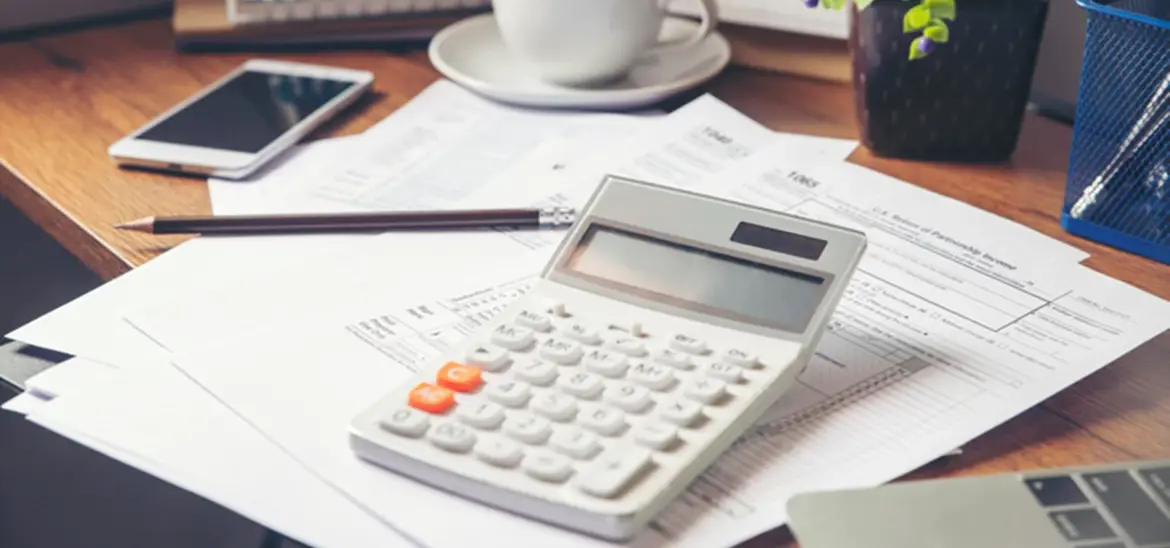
x,y
1102,506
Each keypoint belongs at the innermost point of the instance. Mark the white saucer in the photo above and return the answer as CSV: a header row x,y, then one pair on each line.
x,y
472,54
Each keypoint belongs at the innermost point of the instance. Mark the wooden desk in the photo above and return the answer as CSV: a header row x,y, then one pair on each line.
x,y
65,98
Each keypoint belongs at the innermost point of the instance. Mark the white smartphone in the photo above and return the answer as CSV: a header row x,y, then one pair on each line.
x,y
234,126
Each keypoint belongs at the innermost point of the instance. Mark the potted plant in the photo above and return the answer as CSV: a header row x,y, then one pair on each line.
x,y
942,79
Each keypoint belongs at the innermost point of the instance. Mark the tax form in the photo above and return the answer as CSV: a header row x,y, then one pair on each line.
x,y
442,146
933,345
410,166
709,147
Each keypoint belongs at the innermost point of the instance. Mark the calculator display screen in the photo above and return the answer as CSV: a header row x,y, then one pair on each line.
x,y
697,279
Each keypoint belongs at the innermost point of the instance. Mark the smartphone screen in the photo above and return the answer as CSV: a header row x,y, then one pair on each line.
x,y
248,112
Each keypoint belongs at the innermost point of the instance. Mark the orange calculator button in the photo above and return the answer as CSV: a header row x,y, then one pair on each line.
x,y
430,398
459,377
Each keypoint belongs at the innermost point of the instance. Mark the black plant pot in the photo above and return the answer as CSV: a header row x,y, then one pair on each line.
x,y
963,102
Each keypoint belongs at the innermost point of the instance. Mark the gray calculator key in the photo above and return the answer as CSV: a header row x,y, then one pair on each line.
x,y
453,437
1131,506
1056,491
562,351
613,471
547,466
499,451
490,358
406,422
554,406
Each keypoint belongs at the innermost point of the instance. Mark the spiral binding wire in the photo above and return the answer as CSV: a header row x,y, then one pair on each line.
x,y
824,408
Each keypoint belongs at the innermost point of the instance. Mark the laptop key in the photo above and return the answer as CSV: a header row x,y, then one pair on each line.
x,y
1131,507
1056,491
1077,525
1158,479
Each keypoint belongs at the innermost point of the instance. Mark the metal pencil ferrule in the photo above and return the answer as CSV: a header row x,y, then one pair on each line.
x,y
557,216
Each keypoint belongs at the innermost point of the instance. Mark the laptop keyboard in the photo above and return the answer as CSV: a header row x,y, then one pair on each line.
x,y
1108,509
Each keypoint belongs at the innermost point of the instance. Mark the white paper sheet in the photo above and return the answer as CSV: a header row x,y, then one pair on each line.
x,y
186,437
264,193
70,376
442,147
23,403
409,165
915,324
708,146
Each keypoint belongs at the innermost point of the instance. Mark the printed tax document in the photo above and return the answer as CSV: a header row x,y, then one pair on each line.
x,y
442,146
914,365
91,325
179,425
419,140
263,193
708,146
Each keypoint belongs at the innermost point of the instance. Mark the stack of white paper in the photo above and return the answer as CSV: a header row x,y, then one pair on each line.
x,y
231,366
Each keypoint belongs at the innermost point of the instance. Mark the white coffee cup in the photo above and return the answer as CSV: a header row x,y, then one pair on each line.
x,y
588,42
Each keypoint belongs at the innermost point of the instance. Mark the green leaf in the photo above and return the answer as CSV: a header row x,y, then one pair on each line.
x,y
833,4
916,19
938,31
916,53
862,4
943,9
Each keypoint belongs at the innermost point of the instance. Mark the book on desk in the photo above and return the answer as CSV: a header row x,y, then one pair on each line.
x,y
244,24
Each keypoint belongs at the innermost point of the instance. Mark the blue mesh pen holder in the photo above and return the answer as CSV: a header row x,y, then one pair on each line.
x,y
1118,187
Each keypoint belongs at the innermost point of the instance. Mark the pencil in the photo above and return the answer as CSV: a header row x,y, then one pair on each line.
x,y
549,217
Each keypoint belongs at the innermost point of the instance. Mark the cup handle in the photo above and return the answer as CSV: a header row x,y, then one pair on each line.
x,y
708,21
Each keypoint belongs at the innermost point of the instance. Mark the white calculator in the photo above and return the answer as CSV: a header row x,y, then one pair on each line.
x,y
665,324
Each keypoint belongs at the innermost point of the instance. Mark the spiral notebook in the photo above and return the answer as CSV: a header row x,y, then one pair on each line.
x,y
267,12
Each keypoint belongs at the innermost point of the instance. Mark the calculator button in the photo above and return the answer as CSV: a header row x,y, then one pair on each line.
x,y
547,466
705,390
507,393
656,435
430,398
606,421
499,451
629,346
724,372
735,356
554,406
459,377
673,358
538,373
629,397
491,358
582,334
576,443
480,414
513,337
654,377
606,363
681,412
534,320
581,384
406,422
688,344
561,351
528,429
453,437
613,471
